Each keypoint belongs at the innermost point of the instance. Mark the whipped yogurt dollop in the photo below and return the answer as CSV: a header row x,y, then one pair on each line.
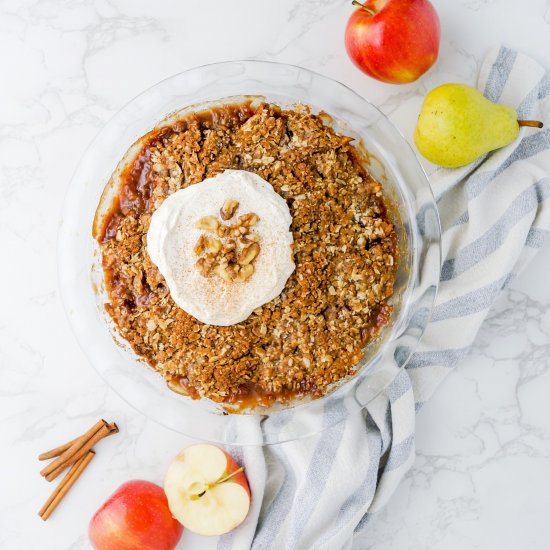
x,y
173,236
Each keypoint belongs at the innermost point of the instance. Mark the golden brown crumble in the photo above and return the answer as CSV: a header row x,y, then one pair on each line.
x,y
344,250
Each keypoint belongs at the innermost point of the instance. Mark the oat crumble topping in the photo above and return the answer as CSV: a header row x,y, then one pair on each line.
x,y
345,253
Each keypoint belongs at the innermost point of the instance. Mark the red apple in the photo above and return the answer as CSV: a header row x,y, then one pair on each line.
x,y
395,41
135,517
207,491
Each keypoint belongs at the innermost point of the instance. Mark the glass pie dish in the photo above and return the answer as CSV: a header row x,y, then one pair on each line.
x,y
390,160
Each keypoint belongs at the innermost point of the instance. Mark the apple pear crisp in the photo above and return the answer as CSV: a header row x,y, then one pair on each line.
x,y
344,254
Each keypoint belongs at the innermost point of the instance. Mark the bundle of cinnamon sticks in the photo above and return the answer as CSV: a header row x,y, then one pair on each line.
x,y
75,454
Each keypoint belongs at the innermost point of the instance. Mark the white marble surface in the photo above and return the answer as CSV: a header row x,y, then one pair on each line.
x,y
482,476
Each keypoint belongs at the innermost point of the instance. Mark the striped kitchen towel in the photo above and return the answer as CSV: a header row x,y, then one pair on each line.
x,y
318,493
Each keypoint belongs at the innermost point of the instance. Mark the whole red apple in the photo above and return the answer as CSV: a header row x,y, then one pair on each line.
x,y
395,41
135,517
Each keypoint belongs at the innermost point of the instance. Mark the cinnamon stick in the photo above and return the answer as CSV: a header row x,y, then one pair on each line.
x,y
78,440
66,483
75,452
57,451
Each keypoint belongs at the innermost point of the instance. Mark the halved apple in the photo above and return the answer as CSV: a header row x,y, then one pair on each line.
x,y
207,491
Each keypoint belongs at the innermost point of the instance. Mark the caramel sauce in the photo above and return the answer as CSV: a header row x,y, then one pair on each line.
x,y
180,384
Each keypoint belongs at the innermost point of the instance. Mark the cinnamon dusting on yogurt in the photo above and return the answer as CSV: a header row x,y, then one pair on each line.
x,y
239,280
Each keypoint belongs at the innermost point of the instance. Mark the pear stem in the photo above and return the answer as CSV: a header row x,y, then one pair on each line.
x,y
359,5
531,123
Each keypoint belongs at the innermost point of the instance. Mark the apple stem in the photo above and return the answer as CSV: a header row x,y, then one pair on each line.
x,y
196,496
241,469
531,123
359,5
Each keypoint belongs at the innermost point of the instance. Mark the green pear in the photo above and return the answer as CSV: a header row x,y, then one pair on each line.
x,y
457,124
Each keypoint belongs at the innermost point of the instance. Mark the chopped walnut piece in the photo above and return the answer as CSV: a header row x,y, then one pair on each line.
x,y
212,245
230,261
205,265
222,231
208,223
200,247
229,245
228,209
224,272
244,273
248,220
245,240
248,254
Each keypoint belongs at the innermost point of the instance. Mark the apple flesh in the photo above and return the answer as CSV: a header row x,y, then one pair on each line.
x,y
135,517
394,41
207,491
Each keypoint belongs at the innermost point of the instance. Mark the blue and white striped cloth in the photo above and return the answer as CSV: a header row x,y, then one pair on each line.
x,y
318,493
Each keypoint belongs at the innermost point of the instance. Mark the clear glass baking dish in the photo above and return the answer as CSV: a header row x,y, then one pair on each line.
x,y
392,162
